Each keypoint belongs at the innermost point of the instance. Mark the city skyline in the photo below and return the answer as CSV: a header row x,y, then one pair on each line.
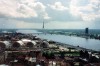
x,y
57,14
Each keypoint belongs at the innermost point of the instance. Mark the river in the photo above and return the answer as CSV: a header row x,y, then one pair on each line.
x,y
71,40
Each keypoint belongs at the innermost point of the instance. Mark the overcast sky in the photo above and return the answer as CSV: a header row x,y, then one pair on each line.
x,y
57,14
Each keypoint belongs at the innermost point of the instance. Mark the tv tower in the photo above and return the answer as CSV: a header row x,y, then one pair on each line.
x,y
43,28
43,25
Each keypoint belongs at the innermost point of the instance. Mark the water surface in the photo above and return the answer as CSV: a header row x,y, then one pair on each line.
x,y
72,40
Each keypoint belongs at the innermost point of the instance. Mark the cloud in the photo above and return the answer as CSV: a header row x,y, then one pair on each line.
x,y
13,24
58,6
88,12
22,9
28,25
25,11
46,16
14,8
41,10
31,13
39,6
69,25
6,23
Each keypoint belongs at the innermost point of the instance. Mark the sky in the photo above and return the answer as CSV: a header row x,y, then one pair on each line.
x,y
57,14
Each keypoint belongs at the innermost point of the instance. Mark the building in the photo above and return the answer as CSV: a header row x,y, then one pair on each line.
x,y
86,31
